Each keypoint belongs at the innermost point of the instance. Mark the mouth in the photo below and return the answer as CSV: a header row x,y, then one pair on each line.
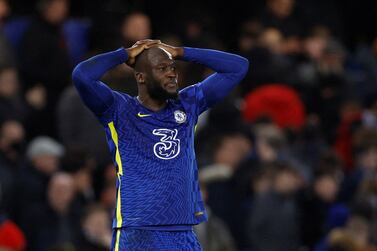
x,y
172,84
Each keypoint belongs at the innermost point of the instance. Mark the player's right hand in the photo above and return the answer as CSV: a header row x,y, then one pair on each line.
x,y
137,48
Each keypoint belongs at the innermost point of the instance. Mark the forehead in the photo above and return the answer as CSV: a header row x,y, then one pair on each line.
x,y
160,56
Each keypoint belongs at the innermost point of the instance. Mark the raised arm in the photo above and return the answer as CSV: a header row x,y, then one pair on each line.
x,y
229,69
86,76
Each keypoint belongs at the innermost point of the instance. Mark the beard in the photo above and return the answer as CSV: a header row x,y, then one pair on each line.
x,y
156,91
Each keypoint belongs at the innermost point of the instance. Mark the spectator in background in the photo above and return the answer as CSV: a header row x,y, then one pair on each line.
x,y
365,155
313,48
213,234
269,142
369,116
228,151
197,33
12,104
327,83
281,14
55,222
350,120
43,155
80,165
266,51
95,230
43,58
133,27
7,58
248,37
272,145
318,199
274,220
367,195
106,177
87,134
366,57
12,140
251,181
353,237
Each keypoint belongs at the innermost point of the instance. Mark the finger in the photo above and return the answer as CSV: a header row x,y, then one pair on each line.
x,y
152,44
148,46
146,41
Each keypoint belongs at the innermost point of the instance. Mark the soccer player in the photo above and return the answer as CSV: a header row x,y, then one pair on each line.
x,y
151,139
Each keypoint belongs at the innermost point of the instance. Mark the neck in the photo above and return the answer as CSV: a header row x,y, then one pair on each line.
x,y
150,103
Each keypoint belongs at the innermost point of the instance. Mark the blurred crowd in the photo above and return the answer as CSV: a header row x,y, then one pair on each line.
x,y
288,162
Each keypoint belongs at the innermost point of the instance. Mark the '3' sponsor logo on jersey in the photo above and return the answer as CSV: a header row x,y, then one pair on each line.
x,y
169,146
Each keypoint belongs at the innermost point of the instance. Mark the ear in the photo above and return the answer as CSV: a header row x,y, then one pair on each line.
x,y
139,76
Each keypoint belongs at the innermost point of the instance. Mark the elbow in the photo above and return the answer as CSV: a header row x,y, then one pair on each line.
x,y
77,75
243,67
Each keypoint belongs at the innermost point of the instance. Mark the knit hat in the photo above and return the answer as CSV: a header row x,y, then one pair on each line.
x,y
44,145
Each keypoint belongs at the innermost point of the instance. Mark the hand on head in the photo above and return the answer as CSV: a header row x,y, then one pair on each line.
x,y
137,48
140,46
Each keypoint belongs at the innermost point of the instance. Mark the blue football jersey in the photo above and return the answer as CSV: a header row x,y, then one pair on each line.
x,y
154,154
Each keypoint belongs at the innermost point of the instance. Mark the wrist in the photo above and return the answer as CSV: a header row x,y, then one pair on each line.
x,y
180,52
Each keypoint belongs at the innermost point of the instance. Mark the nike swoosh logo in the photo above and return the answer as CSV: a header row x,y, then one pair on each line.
x,y
143,115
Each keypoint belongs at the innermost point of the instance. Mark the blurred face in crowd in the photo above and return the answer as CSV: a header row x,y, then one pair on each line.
x,y
136,27
83,180
12,137
4,9
281,8
46,163
358,228
61,192
271,39
9,84
314,46
286,182
368,159
265,151
55,11
97,226
326,187
248,38
232,150
263,182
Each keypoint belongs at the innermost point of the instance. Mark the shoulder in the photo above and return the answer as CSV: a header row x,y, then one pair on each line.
x,y
189,91
122,100
193,97
122,103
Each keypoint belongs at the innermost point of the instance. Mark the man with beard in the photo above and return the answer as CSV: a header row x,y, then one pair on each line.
x,y
151,139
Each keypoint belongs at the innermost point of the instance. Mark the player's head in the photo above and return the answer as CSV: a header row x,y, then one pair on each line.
x,y
155,73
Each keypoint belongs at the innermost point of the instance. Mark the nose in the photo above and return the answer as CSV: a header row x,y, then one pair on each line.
x,y
171,73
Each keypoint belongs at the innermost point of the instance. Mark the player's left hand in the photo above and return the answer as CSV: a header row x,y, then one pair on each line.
x,y
176,52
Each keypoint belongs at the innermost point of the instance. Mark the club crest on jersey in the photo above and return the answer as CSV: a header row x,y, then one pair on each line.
x,y
180,116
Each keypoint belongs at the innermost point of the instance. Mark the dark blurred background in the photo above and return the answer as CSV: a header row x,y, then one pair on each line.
x,y
287,162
